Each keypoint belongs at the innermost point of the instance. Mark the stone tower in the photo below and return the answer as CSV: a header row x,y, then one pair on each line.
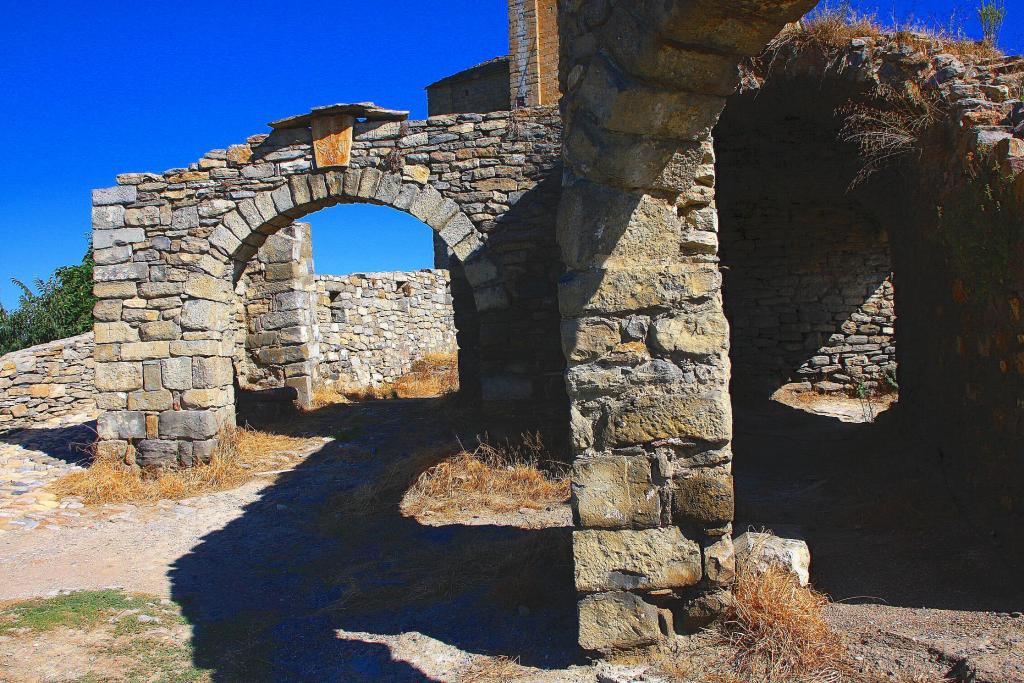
x,y
533,52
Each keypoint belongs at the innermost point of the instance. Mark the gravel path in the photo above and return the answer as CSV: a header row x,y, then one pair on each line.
x,y
325,592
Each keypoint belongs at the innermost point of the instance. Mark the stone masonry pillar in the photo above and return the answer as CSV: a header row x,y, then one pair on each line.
x,y
282,337
164,338
643,330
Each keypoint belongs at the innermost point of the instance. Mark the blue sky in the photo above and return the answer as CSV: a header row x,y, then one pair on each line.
x,y
92,89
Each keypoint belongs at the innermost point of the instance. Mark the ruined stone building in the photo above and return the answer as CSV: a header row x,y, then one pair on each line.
x,y
649,214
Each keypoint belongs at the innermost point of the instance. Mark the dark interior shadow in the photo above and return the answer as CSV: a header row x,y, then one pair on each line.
x,y
70,444
880,519
292,589
802,249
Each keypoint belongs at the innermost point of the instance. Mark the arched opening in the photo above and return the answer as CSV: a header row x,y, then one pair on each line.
x,y
366,330
824,290
808,287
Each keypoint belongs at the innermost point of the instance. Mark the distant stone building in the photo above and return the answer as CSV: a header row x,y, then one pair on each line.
x,y
480,89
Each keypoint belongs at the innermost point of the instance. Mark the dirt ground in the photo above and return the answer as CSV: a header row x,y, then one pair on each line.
x,y
315,575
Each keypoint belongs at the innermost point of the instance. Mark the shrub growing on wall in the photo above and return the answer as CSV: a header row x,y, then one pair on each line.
x,y
61,307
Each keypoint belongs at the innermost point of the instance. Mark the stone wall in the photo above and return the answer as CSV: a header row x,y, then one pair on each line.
x,y
277,317
374,325
480,89
808,288
961,353
169,248
47,381
952,200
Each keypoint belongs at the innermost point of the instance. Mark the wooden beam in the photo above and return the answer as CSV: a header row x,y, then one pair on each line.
x,y
332,140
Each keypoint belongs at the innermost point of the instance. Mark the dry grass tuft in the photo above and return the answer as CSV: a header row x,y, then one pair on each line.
x,y
328,395
828,28
777,631
434,375
891,127
501,478
831,27
492,670
243,453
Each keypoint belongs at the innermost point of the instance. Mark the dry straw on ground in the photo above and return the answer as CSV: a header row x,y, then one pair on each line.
x,y
243,454
436,374
498,478
777,631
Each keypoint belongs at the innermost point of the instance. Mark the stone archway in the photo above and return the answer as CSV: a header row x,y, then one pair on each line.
x,y
244,229
168,247
645,337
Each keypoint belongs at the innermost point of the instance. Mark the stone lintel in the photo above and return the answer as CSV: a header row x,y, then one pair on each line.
x,y
360,110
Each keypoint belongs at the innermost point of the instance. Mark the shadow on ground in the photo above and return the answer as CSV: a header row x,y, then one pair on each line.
x,y
877,514
71,443
289,590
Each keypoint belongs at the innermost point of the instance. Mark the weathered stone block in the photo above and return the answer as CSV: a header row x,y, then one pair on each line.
x,y
185,218
118,376
615,492
107,310
202,286
617,621
114,290
211,373
161,330
662,412
202,347
121,271
720,561
624,290
121,425
620,105
756,552
586,339
150,400
704,497
145,350
635,560
188,424
204,398
176,373
112,449
144,216
121,194
157,453
122,237
704,333
199,314
600,226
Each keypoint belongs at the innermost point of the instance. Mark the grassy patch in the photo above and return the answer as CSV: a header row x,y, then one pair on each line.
x,y
243,453
832,25
155,660
76,610
436,374
138,642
